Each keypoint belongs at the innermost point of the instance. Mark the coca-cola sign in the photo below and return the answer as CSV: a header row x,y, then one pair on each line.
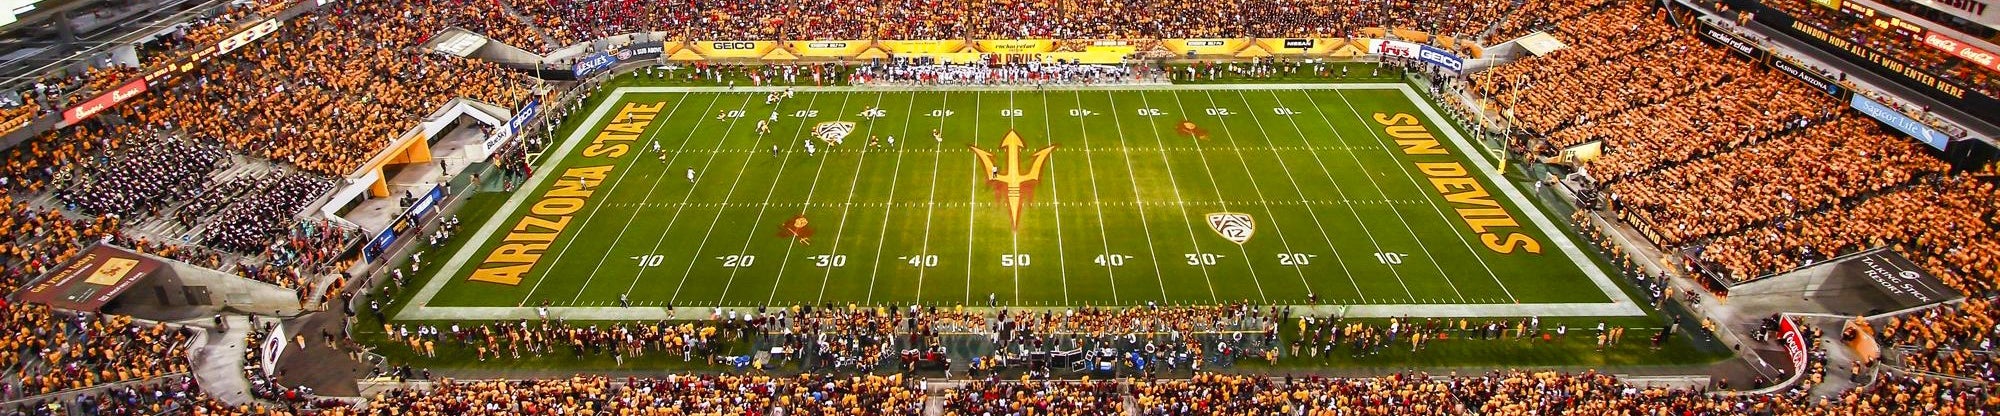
x,y
1963,50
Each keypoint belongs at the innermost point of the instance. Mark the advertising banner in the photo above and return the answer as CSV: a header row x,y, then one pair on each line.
x,y
1716,35
922,46
1915,77
273,346
1795,343
410,220
1181,47
737,49
591,65
252,34
1963,50
1016,46
104,101
828,48
514,125
638,51
1441,58
1808,76
1906,284
1901,122
1298,46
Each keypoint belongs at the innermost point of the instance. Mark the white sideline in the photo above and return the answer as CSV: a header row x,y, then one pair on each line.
x,y
1619,305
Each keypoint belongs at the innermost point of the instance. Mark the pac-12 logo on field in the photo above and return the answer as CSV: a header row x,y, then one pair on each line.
x,y
1234,226
833,132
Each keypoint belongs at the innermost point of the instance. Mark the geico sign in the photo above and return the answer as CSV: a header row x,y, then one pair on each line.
x,y
1440,59
733,45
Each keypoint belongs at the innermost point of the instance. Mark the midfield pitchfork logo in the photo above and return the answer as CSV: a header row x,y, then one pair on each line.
x,y
1010,184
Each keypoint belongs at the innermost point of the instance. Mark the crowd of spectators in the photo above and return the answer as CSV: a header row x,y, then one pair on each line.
x,y
571,21
1029,397
51,352
805,395
1902,45
249,224
1957,340
1945,224
140,180
1815,168
1612,65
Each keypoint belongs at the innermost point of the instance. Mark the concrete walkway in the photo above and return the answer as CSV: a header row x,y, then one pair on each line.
x,y
217,360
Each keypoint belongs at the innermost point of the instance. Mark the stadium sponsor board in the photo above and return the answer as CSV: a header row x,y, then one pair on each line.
x,y
1716,35
639,51
1298,46
273,346
524,243
1963,50
1421,52
733,49
829,48
1916,77
514,125
104,101
1226,46
252,34
1016,45
1441,58
1901,122
418,212
91,280
922,46
1795,343
591,65
1808,76
1495,227
1898,277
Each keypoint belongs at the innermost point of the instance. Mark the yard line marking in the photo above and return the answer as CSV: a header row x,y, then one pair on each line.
x,y
1259,189
1105,236
1379,144
895,175
846,206
972,203
1351,278
649,194
1171,183
936,159
1062,258
783,260
614,188
696,257
1248,263
1348,201
1434,259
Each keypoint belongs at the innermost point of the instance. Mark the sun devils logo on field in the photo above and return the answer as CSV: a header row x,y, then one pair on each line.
x,y
1011,184
833,132
797,228
1236,227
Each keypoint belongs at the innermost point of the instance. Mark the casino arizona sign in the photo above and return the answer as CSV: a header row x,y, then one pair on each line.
x,y
531,235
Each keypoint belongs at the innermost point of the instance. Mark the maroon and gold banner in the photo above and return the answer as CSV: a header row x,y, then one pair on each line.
x,y
108,99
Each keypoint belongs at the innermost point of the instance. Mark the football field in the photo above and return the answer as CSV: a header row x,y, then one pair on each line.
x,y
1355,195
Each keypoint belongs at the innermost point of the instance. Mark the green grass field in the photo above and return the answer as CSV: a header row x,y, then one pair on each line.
x,y
1121,214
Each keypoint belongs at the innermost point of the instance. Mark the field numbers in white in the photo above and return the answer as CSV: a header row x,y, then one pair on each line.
x,y
737,260
829,260
1112,260
942,113
1390,258
1078,112
1284,111
1202,259
1010,112
806,113
1295,259
1150,112
927,260
1014,260
650,260
733,114
1219,112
